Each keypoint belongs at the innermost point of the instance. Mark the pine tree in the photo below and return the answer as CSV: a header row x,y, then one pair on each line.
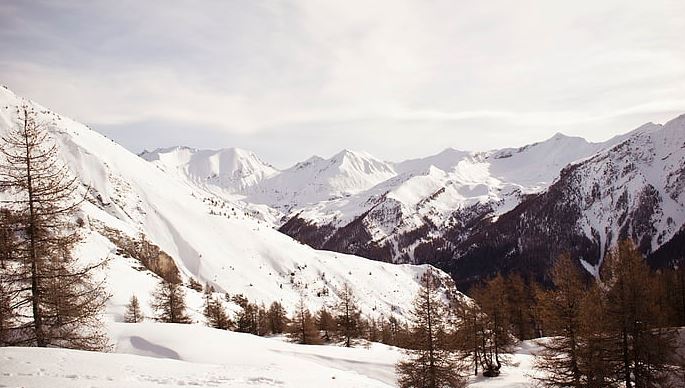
x,y
302,328
65,300
644,350
431,364
348,316
168,303
561,307
133,313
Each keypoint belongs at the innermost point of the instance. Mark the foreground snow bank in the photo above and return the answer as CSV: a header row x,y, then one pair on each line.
x,y
166,355
152,354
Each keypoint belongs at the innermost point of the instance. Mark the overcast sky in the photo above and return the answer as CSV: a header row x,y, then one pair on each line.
x,y
398,79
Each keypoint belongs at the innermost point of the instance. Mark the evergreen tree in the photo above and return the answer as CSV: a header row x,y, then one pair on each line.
x,y
133,313
64,298
168,303
431,364
348,316
302,328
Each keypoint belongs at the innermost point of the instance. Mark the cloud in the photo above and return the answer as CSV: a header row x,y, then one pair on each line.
x,y
350,74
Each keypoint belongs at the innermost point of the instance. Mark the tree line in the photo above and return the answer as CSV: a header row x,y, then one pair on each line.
x,y
618,329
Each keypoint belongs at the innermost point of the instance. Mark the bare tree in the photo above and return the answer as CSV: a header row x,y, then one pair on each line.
x,y
348,316
562,307
644,351
168,302
431,362
278,318
133,313
302,328
64,298
497,340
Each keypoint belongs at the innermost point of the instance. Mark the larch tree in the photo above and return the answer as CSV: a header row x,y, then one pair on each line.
x,y
520,300
277,317
302,328
168,303
133,312
247,320
561,309
214,311
430,363
469,336
596,357
61,301
325,323
497,340
644,350
348,316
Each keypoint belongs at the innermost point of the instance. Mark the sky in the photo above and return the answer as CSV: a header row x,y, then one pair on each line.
x,y
398,79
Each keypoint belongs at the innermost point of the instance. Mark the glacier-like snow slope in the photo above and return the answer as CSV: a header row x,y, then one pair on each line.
x,y
209,238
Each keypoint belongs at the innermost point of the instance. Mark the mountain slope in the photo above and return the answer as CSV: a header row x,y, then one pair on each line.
x,y
317,179
434,200
208,237
635,190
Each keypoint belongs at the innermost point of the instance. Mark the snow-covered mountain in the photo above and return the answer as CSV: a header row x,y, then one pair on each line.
x,y
403,218
232,169
635,189
208,237
317,179
446,208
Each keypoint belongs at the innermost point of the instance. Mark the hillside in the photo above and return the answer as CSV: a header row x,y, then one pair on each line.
x,y
208,237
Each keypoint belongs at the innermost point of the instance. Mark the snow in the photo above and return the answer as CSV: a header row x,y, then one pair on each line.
x,y
170,355
210,238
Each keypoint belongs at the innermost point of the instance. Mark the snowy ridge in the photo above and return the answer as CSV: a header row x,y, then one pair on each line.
x,y
358,204
209,238
317,179
232,169
634,189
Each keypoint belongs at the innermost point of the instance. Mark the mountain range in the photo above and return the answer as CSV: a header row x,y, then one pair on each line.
x,y
472,214
230,218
